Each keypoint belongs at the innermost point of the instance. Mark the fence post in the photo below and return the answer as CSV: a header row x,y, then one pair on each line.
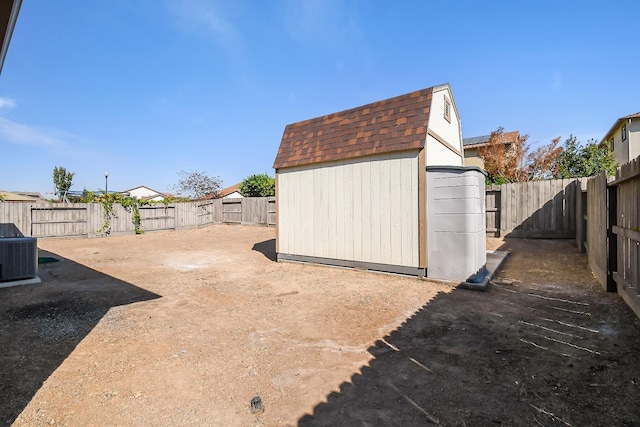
x,y
504,209
580,210
612,238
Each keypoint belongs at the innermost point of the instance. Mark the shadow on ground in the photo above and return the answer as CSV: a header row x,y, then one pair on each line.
x,y
40,325
539,348
266,248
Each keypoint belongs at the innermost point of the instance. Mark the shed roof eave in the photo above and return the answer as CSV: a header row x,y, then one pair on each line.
x,y
347,159
8,18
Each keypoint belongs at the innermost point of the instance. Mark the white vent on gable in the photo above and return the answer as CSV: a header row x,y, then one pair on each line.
x,y
447,109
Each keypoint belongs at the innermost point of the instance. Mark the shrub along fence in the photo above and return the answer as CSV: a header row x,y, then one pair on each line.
x,y
88,219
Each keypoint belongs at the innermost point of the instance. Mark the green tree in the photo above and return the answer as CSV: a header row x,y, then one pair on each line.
x,y
578,161
259,185
197,185
62,181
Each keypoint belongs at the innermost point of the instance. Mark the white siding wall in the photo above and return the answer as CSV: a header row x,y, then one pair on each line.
x,y
633,130
438,154
620,149
359,210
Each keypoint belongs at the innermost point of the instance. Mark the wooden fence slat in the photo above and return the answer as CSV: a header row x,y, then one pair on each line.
x,y
597,227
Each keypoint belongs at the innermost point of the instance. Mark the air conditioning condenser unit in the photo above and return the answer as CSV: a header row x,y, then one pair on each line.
x,y
18,258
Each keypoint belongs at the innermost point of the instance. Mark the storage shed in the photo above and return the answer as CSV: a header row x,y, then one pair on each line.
x,y
351,187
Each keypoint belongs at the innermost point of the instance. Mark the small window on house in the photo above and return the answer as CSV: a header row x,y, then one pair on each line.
x,y
612,144
447,109
624,133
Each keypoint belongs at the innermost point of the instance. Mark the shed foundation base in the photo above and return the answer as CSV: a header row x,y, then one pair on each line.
x,y
381,268
32,281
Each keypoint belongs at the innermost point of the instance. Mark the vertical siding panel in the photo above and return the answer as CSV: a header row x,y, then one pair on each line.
x,y
356,186
290,225
375,211
291,217
331,210
367,230
385,212
339,209
283,223
318,216
316,203
323,176
405,211
416,171
311,212
307,232
348,197
396,207
300,238
296,233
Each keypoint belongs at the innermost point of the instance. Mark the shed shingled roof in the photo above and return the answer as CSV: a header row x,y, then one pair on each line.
x,y
394,124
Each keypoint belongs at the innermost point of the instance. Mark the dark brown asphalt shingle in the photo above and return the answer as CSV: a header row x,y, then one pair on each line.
x,y
394,124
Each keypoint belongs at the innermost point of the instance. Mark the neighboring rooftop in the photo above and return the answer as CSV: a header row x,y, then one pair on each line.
x,y
394,124
632,116
145,187
226,191
506,138
10,196
618,122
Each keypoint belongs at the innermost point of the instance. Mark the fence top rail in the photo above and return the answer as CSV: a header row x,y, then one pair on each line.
x,y
626,172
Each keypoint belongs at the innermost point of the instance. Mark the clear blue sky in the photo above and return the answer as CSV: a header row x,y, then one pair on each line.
x,y
146,88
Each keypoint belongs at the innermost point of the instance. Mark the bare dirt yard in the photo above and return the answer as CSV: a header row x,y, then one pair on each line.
x,y
185,328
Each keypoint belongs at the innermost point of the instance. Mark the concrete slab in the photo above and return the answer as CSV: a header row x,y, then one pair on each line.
x,y
32,281
494,261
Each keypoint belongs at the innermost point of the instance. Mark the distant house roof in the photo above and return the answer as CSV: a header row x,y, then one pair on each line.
x,y
632,116
394,124
31,194
158,193
476,141
142,186
617,123
9,196
226,191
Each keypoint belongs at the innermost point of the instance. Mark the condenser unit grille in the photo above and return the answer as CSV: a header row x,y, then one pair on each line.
x,y
18,258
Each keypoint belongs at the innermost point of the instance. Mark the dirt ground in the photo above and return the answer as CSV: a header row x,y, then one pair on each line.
x,y
185,328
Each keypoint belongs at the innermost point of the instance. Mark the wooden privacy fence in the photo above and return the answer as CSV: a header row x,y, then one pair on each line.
x,y
537,209
87,219
532,209
613,231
